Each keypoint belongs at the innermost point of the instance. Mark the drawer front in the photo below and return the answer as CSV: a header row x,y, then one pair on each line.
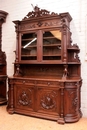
x,y
34,82
47,83
24,81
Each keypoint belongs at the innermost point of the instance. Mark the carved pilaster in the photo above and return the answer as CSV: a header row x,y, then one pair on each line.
x,y
61,118
18,72
17,37
65,73
65,41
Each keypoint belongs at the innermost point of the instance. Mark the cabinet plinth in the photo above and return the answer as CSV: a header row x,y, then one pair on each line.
x,y
47,71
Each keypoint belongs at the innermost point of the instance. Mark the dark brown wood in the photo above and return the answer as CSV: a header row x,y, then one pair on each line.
x,y
47,71
3,71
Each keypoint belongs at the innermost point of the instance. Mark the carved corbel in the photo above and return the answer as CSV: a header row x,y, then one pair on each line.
x,y
18,72
65,73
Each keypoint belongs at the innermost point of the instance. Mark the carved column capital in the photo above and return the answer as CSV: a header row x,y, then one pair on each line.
x,y
3,15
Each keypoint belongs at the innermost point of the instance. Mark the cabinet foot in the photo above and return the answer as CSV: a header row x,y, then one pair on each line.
x,y
10,111
61,121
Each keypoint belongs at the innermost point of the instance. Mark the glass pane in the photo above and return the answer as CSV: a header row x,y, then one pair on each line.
x,y
29,47
52,45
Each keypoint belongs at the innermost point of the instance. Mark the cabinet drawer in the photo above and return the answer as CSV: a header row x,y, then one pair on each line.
x,y
48,83
24,81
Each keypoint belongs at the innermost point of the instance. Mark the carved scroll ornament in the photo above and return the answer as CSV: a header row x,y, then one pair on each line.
x,y
38,13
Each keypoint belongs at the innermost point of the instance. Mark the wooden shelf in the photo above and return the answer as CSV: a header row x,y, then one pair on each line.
x,y
73,49
49,37
51,45
52,55
27,39
33,46
28,56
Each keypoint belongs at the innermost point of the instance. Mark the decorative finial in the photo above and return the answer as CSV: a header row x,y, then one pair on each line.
x,y
35,8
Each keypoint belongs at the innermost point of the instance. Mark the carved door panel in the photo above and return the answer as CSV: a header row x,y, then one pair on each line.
x,y
71,102
48,100
24,97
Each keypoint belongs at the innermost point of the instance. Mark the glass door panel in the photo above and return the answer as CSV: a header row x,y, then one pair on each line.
x,y
29,47
52,45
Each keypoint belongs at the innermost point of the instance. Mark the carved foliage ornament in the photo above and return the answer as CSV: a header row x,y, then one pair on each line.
x,y
38,13
47,100
25,98
74,100
40,24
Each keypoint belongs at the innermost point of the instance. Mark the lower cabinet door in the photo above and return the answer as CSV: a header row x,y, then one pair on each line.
x,y
48,100
72,102
24,97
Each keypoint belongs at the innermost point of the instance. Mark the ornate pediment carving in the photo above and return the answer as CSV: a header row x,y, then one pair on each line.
x,y
38,13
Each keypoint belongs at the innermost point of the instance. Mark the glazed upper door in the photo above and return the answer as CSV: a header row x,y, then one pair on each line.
x,y
29,46
52,45
41,46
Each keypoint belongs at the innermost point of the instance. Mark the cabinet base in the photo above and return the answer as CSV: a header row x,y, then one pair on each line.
x,y
59,120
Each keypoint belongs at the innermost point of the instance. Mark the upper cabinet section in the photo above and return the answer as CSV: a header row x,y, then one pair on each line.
x,y
41,46
43,37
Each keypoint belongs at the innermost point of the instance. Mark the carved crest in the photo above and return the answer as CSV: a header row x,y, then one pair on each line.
x,y
38,13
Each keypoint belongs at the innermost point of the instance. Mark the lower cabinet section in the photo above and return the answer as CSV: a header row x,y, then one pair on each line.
x,y
54,100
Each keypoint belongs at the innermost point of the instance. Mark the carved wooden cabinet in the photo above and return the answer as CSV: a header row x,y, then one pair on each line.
x,y
47,71
3,64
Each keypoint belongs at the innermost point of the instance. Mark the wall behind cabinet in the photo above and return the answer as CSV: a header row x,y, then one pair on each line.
x,y
17,9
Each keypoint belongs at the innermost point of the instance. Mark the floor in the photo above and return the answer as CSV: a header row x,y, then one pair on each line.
x,y
21,122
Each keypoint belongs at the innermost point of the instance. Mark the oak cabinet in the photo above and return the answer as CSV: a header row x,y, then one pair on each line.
x,y
3,64
47,71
